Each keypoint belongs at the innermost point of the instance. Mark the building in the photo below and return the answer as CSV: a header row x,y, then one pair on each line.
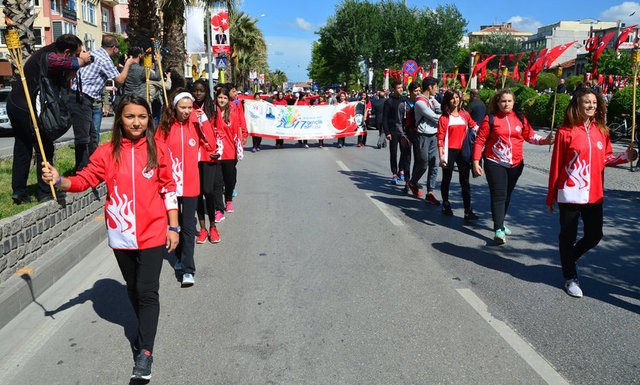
x,y
488,30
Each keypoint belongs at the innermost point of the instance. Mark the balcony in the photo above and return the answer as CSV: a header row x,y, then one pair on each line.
x,y
70,14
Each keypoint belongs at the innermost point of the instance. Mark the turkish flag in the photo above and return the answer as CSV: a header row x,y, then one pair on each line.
x,y
591,44
463,80
555,52
624,35
601,46
482,66
344,120
516,70
220,19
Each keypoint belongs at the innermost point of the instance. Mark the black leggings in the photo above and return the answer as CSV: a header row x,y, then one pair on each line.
x,y
141,271
570,250
211,189
187,219
502,180
464,169
229,174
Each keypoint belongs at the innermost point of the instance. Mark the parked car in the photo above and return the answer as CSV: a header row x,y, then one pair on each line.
x,y
5,124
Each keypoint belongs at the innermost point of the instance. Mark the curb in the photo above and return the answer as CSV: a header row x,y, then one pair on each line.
x,y
20,291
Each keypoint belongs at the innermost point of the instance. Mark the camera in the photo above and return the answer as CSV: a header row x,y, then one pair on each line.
x,y
91,59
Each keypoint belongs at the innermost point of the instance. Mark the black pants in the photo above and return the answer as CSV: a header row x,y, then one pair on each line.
x,y
257,140
464,170
279,142
23,147
187,220
141,271
570,250
502,180
404,164
81,108
341,141
229,174
211,190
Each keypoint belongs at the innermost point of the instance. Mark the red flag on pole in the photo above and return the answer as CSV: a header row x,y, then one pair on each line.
x,y
555,52
482,66
516,70
463,80
591,44
601,46
624,35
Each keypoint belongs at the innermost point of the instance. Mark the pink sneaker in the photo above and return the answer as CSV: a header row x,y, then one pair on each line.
x,y
219,216
214,235
229,207
202,236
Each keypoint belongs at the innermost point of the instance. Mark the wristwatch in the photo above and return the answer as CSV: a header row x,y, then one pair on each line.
x,y
176,229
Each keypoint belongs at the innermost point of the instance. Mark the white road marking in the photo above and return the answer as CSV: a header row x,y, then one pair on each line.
x,y
393,218
522,347
343,166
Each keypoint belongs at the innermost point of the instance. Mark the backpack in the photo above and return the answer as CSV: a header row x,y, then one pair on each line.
x,y
409,122
54,117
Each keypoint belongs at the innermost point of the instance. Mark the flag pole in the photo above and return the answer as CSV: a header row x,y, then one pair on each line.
x,y
635,58
12,40
476,58
555,95
156,48
505,72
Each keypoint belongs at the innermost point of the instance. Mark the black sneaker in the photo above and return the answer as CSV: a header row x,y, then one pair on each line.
x,y
446,208
142,368
20,198
470,216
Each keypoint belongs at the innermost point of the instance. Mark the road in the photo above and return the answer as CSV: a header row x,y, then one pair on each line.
x,y
6,142
328,274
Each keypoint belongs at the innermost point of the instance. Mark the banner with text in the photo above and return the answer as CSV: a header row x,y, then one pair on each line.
x,y
302,122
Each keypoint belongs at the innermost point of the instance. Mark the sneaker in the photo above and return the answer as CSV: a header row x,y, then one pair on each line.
x,y
500,238
177,266
258,148
572,287
214,235
202,236
306,145
446,208
415,189
339,145
219,216
507,231
471,216
394,179
254,149
20,199
142,367
188,280
402,176
229,207
234,193
432,200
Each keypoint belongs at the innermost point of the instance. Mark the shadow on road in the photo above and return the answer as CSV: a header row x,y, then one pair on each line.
x,y
110,302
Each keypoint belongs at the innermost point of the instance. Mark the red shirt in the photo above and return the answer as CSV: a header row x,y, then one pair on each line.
x,y
138,199
229,134
503,142
456,128
280,102
579,157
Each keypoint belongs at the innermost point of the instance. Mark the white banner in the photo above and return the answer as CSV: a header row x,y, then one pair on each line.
x,y
301,122
194,25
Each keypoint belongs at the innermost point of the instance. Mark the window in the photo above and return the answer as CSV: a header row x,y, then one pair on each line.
x,y
106,20
62,27
88,12
35,3
37,32
56,7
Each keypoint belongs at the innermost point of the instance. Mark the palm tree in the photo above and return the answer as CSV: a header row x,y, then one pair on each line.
x,y
144,23
248,47
22,15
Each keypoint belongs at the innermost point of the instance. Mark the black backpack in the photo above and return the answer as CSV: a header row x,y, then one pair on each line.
x,y
54,117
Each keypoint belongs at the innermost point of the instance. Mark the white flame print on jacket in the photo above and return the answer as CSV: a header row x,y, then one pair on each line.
x,y
576,187
121,220
177,170
502,151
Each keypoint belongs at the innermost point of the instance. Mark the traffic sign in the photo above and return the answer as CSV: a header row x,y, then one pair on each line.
x,y
222,63
410,67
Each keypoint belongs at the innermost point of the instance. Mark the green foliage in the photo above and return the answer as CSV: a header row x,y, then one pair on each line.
x,y
572,82
612,64
523,94
486,94
546,80
622,103
539,110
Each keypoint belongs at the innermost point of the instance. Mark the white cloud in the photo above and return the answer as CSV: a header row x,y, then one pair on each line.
x,y
623,12
524,24
302,24
290,55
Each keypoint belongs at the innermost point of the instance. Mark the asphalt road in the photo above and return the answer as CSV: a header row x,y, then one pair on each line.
x,y
328,274
6,142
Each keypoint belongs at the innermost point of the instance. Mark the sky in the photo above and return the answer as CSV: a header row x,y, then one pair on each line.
x,y
289,26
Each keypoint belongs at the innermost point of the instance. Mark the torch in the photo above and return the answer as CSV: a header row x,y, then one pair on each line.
x,y
555,95
156,48
635,60
505,73
148,63
476,59
12,39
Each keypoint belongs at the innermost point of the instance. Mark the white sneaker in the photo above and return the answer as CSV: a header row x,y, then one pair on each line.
x,y
177,266
188,280
572,287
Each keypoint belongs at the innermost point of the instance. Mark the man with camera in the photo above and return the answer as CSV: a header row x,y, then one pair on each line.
x,y
88,86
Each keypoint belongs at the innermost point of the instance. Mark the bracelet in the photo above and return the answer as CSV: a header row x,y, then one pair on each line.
x,y
58,182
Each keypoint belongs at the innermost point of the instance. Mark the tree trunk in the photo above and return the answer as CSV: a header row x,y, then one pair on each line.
x,y
144,23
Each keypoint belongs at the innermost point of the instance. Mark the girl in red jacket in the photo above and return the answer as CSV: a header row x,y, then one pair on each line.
x,y
453,126
581,152
141,194
501,146
180,131
228,129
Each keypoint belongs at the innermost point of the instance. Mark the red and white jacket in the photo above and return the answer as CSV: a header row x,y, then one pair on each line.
x,y
580,155
231,134
453,129
184,141
137,199
210,145
503,143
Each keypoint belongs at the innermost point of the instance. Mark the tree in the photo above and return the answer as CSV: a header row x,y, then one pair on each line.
x,y
248,47
611,64
144,23
22,15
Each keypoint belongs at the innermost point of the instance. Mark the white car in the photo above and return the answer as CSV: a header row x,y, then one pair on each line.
x,y
5,124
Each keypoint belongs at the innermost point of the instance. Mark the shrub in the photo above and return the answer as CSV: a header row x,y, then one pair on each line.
x,y
572,81
546,81
622,103
539,109
522,93
486,95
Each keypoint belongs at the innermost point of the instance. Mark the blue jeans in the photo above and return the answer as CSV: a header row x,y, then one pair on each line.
x,y
97,121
